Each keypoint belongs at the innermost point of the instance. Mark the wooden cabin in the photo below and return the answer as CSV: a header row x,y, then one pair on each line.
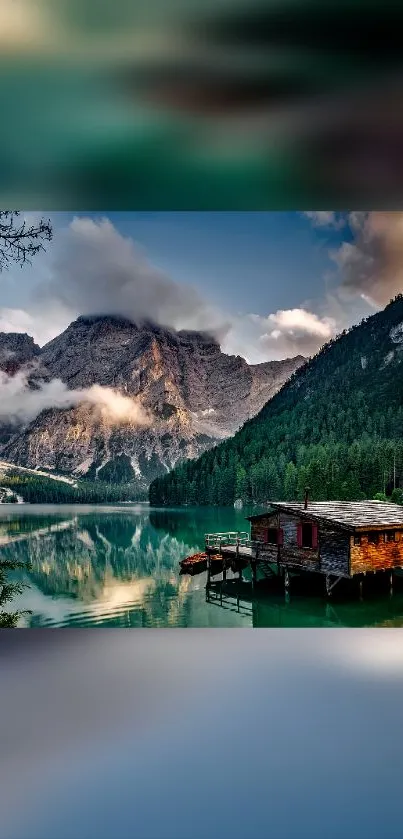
x,y
335,538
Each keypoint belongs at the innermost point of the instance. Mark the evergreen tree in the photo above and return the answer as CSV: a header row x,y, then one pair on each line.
x,y
336,426
9,590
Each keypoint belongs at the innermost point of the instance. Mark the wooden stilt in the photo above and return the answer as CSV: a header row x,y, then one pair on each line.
x,y
253,567
330,585
286,585
360,587
391,582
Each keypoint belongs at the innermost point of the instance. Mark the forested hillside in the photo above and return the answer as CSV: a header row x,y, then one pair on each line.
x,y
337,426
37,489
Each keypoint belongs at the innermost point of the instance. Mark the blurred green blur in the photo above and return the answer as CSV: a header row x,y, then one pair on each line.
x,y
231,104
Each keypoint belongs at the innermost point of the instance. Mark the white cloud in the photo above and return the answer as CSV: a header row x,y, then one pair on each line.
x,y
283,334
43,324
96,271
20,403
16,320
295,331
91,268
326,218
371,265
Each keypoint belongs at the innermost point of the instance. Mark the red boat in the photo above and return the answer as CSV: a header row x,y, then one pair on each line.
x,y
197,563
194,564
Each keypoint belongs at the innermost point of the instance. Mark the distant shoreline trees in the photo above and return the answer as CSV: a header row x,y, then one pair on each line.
x,y
38,489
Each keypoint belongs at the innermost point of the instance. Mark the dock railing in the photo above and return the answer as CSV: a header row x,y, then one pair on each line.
x,y
231,537
238,543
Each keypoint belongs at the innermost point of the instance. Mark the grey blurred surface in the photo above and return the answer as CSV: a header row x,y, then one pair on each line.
x,y
193,734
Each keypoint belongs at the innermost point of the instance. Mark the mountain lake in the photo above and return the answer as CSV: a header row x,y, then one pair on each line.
x,y
118,566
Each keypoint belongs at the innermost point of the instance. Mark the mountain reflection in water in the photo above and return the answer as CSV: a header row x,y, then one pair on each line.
x,y
119,566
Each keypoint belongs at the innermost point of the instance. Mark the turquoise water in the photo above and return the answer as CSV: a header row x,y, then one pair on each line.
x,y
119,567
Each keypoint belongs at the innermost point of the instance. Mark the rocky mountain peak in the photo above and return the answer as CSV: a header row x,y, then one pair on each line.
x,y
16,349
194,393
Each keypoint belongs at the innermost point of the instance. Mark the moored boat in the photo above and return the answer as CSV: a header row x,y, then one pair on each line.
x,y
194,564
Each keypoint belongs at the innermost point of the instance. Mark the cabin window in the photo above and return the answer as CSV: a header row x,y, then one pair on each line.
x,y
390,536
307,535
373,538
357,539
274,536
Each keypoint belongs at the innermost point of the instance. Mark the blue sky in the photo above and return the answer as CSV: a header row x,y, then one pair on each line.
x,y
270,258
268,284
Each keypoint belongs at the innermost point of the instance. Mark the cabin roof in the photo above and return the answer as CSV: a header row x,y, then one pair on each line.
x,y
346,514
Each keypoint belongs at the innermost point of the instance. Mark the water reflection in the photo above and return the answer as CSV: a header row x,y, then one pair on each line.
x,y
120,567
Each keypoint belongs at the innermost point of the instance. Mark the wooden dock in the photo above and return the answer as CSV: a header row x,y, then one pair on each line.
x,y
238,551
333,541
295,540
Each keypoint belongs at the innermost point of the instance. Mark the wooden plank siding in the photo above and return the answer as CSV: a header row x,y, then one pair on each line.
x,y
259,528
290,552
336,553
376,557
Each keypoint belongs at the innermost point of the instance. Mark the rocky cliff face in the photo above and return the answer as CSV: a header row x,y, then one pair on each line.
x,y
16,350
194,394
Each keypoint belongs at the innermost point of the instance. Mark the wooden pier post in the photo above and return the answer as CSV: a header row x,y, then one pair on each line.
x,y
391,583
286,580
254,575
237,559
208,569
360,587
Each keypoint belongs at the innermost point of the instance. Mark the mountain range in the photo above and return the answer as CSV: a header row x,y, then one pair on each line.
x,y
191,393
335,426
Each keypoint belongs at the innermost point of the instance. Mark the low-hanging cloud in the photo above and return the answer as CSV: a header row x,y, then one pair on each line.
x,y
326,218
92,269
294,332
97,271
21,402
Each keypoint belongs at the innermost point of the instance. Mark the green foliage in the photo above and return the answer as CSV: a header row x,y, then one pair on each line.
x,y
41,490
117,471
8,590
336,426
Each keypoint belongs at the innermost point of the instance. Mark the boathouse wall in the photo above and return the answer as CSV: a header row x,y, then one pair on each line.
x,y
386,552
291,552
339,539
334,549
260,526
331,555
